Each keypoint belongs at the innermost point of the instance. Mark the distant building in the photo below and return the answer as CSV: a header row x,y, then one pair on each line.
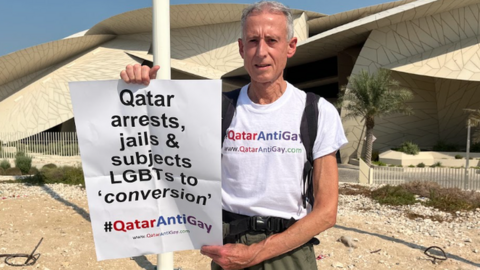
x,y
432,47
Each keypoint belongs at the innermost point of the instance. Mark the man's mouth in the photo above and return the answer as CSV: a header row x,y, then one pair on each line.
x,y
262,66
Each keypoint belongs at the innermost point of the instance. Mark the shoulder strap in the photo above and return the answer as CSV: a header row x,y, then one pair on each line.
x,y
229,103
308,133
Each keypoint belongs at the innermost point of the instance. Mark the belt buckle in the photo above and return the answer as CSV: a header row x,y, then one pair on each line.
x,y
260,224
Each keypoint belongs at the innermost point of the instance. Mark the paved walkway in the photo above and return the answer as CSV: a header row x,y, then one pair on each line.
x,y
348,173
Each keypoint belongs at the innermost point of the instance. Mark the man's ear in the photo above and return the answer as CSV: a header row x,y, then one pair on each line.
x,y
240,47
292,47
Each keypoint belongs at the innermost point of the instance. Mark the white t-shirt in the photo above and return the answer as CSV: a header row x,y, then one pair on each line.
x,y
263,155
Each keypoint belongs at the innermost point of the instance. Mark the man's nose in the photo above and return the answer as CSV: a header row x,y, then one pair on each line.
x,y
262,48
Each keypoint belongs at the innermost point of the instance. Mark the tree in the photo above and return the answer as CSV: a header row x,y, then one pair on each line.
x,y
370,96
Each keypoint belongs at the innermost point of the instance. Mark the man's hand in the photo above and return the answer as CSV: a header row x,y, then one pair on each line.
x,y
231,256
139,74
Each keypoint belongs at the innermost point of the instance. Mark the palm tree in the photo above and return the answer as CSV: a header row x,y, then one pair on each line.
x,y
373,95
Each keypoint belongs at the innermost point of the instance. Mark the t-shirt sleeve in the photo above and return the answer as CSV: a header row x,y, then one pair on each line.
x,y
330,133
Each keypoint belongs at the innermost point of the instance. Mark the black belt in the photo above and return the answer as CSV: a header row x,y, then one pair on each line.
x,y
240,223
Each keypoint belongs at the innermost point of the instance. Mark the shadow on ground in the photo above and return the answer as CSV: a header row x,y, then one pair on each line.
x,y
411,245
75,207
143,262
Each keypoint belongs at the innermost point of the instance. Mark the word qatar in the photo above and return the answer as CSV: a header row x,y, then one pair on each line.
x,y
128,98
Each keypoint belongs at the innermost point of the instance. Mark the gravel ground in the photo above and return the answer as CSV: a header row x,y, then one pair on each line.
x,y
379,237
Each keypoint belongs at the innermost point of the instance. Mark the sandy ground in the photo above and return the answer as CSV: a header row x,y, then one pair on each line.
x,y
68,242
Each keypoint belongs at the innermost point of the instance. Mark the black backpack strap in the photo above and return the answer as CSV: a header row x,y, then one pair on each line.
x,y
229,102
308,133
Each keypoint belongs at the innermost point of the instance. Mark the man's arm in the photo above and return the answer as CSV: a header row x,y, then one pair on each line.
x,y
322,217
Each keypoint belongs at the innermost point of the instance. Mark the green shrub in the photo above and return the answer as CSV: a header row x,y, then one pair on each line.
x,y
411,166
36,179
393,195
375,155
49,166
65,174
438,164
453,199
33,171
379,163
74,176
421,188
443,146
445,199
421,165
20,154
51,175
409,148
458,156
2,171
24,163
5,164
13,171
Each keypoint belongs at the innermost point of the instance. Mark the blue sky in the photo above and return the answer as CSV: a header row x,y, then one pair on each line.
x,y
25,23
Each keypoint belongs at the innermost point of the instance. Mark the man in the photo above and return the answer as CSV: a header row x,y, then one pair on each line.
x,y
269,182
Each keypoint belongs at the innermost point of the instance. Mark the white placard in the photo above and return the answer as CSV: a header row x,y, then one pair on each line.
x,y
151,159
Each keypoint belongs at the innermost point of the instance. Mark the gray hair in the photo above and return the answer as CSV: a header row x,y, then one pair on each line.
x,y
270,6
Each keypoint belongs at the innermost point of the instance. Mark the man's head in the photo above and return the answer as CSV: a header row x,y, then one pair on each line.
x,y
267,41
272,7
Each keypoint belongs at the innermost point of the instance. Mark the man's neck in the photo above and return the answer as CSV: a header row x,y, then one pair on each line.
x,y
266,93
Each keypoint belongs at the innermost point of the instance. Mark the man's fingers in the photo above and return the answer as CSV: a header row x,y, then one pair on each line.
x,y
145,71
124,76
137,71
210,251
153,71
139,74
127,75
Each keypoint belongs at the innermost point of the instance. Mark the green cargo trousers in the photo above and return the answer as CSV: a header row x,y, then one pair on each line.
x,y
301,258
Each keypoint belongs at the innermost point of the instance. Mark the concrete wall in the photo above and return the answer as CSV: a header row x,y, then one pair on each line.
x,y
443,49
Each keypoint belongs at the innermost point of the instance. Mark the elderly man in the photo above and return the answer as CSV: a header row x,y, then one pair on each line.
x,y
269,184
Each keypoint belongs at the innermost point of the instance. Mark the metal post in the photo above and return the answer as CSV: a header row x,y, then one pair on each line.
x,y
467,155
161,38
161,56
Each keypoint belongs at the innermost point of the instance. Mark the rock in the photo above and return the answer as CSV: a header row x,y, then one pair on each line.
x,y
347,241
337,265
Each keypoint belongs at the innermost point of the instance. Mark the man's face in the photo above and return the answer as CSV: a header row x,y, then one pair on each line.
x,y
265,47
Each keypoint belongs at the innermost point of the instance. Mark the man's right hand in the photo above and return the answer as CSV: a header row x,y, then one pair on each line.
x,y
139,74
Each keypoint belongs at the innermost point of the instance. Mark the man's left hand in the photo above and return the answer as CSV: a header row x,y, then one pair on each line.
x,y
230,256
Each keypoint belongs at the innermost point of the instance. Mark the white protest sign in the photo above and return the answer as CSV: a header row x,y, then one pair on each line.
x,y
151,159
